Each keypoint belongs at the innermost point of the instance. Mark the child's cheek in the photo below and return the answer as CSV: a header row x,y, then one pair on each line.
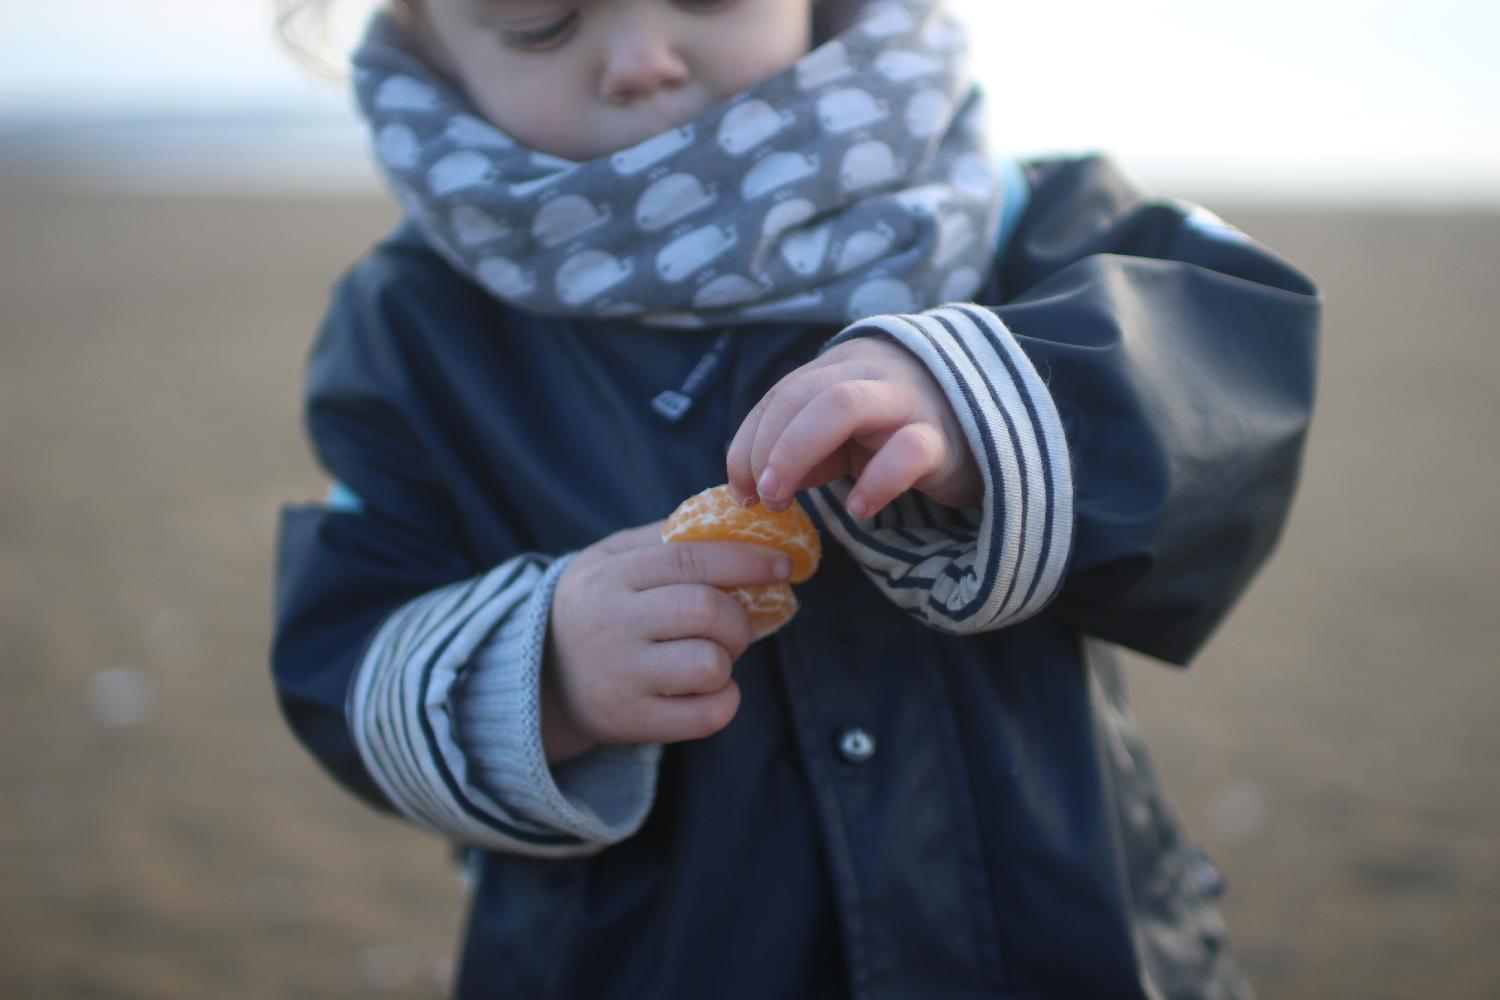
x,y
548,119
769,36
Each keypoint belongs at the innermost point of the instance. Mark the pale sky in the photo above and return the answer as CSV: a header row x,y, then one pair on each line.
x,y
1396,99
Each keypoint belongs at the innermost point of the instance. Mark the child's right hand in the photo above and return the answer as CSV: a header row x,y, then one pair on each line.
x,y
642,640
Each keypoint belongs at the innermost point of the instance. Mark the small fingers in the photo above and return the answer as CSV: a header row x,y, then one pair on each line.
x,y
717,564
811,447
913,453
745,462
689,666
692,716
738,475
693,611
632,538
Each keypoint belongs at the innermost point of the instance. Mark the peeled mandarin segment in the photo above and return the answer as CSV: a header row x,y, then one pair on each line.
x,y
713,515
771,606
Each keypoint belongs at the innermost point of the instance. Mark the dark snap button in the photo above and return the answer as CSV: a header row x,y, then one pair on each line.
x,y
855,745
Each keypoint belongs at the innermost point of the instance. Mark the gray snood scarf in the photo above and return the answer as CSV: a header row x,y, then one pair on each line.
x,y
853,183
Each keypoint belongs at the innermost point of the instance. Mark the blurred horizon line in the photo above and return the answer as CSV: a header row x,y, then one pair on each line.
x,y
321,149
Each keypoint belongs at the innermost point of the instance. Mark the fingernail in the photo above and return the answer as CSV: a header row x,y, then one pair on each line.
x,y
783,568
751,500
857,506
768,485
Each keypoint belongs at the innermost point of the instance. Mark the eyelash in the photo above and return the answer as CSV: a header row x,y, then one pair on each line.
x,y
543,38
552,35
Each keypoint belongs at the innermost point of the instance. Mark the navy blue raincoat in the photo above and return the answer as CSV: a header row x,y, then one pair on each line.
x,y
895,811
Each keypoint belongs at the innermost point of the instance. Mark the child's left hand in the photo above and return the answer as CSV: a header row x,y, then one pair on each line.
x,y
867,408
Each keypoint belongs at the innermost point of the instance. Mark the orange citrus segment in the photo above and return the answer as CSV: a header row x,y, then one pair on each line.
x,y
771,606
713,515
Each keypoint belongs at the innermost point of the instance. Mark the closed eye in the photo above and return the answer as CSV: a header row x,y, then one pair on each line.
x,y
539,39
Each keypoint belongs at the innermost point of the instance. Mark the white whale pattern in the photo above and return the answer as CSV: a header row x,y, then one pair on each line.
x,y
727,290
693,251
928,199
885,20
804,249
473,133
747,125
868,164
406,93
865,246
505,277
784,215
651,152
397,145
456,171
776,170
956,230
881,295
847,109
941,35
962,284
825,64
671,199
971,174
902,66
473,226
799,200
547,161
525,189
564,218
588,274
927,113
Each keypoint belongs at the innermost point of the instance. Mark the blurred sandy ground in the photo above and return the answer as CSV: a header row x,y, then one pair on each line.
x,y
161,835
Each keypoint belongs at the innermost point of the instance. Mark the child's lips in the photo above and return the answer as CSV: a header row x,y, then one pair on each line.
x,y
645,119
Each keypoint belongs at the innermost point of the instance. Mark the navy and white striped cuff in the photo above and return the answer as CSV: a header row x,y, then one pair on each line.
x,y
445,712
955,575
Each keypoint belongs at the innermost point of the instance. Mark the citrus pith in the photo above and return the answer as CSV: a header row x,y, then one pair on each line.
x,y
713,515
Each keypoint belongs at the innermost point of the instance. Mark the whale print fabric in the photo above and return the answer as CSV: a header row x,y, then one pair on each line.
x,y
855,182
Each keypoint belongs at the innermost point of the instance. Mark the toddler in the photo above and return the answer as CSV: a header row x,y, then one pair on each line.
x,y
649,246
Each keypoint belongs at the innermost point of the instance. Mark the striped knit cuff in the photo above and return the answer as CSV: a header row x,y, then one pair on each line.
x,y
954,574
406,718
601,796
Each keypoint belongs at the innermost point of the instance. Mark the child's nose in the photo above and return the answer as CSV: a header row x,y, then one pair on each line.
x,y
640,58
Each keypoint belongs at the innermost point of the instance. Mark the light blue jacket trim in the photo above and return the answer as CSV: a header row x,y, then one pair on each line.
x,y
1015,196
343,499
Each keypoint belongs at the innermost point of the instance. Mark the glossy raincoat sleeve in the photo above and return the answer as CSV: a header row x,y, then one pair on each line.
x,y
1181,355
410,672
1177,357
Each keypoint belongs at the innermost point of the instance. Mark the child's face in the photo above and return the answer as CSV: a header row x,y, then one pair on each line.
x,y
583,78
